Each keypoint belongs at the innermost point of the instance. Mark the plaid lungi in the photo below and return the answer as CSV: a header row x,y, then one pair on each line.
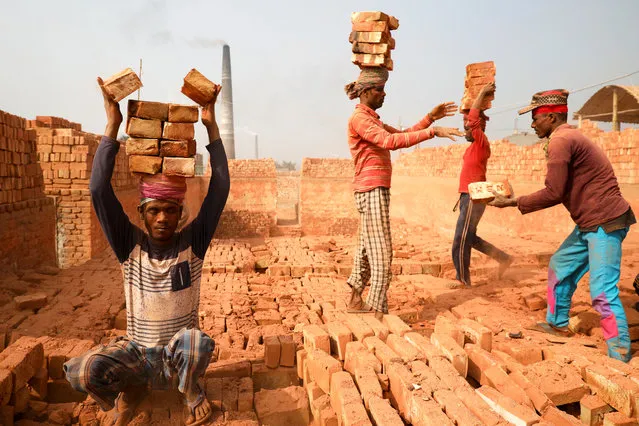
x,y
105,371
374,254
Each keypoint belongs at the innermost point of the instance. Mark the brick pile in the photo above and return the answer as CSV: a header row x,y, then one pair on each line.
x,y
53,122
26,214
161,138
371,39
477,76
65,157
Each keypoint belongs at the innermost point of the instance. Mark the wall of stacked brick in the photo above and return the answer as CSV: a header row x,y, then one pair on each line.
x,y
27,218
65,155
250,208
326,197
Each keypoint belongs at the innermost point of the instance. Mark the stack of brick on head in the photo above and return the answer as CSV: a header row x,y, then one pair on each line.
x,y
370,142
162,266
474,193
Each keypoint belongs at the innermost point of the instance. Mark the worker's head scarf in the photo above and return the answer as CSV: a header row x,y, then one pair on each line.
x,y
162,187
368,78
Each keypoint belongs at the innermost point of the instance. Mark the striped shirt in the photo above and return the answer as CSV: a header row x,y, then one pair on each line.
x,y
370,142
161,285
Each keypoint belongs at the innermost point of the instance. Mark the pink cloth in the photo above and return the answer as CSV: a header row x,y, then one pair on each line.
x,y
162,187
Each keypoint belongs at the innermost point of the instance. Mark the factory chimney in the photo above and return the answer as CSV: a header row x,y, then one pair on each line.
x,y
226,117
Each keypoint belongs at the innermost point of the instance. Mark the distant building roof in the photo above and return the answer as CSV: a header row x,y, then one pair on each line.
x,y
523,139
599,106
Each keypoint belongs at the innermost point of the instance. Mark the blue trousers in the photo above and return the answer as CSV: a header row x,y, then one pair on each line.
x,y
599,253
466,238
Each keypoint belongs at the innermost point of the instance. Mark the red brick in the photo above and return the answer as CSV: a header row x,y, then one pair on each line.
x,y
426,377
321,367
145,164
6,386
555,416
539,399
339,336
367,383
301,361
20,399
288,406
524,353
316,338
618,419
200,89
396,325
148,110
370,26
618,391
422,344
382,413
382,351
23,358
401,386
141,146
372,48
393,23
228,368
455,408
479,361
477,333
178,131
60,391
380,330
122,84
142,128
175,166
358,327
230,393
478,407
498,379
448,374
424,411
452,351
358,356
507,408
184,148
562,384
447,326
535,302
183,113
272,351
31,301
593,409
405,350
346,400
287,356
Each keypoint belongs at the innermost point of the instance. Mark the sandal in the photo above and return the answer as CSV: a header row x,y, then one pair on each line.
x,y
192,405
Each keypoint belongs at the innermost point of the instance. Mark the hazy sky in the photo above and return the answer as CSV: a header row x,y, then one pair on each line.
x,y
291,59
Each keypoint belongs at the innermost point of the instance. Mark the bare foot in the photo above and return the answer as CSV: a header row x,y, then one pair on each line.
x,y
356,300
201,412
127,402
455,284
379,315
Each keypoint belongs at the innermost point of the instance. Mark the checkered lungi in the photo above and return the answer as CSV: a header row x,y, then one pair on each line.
x,y
105,371
372,260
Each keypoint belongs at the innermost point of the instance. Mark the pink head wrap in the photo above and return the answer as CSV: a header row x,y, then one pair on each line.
x,y
162,187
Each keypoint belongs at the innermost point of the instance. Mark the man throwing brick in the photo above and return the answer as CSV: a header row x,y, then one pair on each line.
x,y
370,142
474,166
580,177
162,270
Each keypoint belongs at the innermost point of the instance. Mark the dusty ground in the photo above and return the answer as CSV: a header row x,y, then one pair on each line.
x,y
248,291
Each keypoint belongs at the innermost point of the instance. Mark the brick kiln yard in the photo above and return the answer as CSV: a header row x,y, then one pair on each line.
x,y
274,292
299,290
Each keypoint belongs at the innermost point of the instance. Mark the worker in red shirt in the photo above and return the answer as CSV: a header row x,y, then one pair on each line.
x,y
474,170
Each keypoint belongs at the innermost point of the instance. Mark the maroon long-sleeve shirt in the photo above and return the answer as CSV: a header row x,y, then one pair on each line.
x,y
580,177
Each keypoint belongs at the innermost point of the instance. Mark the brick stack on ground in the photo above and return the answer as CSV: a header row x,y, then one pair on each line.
x,y
477,76
371,39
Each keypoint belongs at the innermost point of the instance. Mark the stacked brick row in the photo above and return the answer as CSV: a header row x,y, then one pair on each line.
x,y
32,382
27,218
371,39
20,178
251,206
161,138
65,157
523,163
53,122
477,76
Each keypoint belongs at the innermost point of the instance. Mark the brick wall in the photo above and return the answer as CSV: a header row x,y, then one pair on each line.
x,y
27,216
66,156
326,197
250,208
